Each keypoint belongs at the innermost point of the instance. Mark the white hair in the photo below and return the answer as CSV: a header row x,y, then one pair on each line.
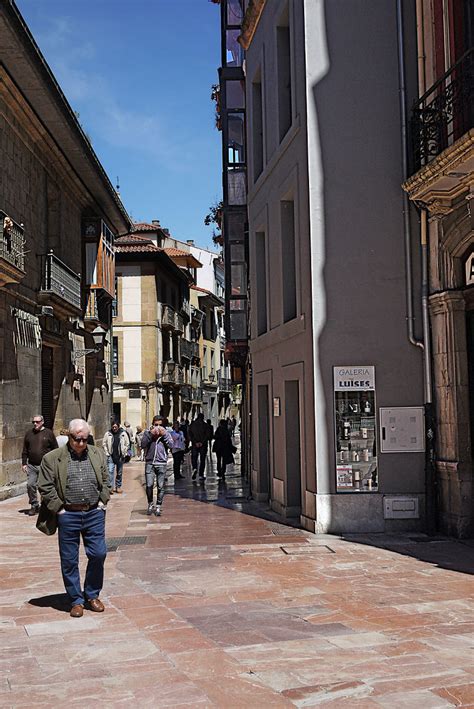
x,y
78,425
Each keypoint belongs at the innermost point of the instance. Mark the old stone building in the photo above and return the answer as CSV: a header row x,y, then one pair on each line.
x,y
58,217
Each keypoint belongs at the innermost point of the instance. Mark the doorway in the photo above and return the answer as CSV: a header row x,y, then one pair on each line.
x,y
293,448
117,411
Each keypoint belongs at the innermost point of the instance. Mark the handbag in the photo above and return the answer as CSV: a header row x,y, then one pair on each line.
x,y
127,458
47,522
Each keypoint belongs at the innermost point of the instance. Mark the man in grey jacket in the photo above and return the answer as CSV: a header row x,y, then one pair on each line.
x,y
73,483
156,443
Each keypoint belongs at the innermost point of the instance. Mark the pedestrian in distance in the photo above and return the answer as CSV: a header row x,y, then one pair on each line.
x,y
116,444
177,451
223,448
73,483
199,435
156,443
138,443
233,422
131,437
37,442
63,437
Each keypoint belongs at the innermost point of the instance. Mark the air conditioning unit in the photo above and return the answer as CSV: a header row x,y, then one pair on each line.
x,y
47,310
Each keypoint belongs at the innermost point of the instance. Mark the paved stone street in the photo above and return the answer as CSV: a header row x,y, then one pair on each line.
x,y
209,606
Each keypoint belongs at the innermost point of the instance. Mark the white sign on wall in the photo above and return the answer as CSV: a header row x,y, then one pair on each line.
x,y
354,378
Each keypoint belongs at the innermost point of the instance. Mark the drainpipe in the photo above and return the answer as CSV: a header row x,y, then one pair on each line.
x,y
425,343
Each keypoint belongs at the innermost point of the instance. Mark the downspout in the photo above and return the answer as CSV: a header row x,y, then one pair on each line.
x,y
425,343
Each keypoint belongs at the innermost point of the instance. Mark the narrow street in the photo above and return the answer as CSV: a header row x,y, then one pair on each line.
x,y
210,606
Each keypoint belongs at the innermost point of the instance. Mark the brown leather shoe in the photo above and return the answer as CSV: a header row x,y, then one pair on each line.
x,y
77,612
118,490
96,605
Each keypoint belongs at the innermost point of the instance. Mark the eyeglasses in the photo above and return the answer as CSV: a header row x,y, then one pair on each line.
x,y
78,439
37,421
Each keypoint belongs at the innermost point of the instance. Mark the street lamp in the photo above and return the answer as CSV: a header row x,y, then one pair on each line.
x,y
98,335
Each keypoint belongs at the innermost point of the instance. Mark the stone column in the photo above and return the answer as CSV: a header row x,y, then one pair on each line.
x,y
453,451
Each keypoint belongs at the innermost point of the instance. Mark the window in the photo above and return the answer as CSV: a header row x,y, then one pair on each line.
x,y
261,282
284,75
115,300
288,253
234,51
257,127
115,357
100,257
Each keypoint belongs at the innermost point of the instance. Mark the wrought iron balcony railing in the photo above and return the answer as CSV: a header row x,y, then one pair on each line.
x,y
179,375
60,281
12,250
445,112
197,394
195,350
186,393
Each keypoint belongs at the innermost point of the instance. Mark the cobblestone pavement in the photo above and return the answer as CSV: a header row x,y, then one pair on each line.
x,y
208,606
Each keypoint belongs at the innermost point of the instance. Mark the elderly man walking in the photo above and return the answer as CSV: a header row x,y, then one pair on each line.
x,y
73,483
37,442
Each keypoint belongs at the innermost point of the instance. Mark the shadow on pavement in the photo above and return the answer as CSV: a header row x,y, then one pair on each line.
x,y
442,552
58,601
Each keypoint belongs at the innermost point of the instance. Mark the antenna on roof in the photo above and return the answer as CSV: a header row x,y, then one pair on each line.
x,y
117,186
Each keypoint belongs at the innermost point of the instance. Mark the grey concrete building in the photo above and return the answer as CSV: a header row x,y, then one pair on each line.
x,y
337,388
58,216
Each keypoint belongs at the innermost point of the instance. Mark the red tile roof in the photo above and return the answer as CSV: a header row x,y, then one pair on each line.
x,y
145,226
133,238
137,248
180,253
202,290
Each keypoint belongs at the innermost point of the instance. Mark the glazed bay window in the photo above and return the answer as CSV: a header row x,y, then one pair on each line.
x,y
100,258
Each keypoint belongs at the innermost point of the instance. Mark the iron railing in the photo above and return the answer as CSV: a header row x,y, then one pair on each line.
x,y
60,280
12,242
186,393
195,350
178,323
197,394
445,112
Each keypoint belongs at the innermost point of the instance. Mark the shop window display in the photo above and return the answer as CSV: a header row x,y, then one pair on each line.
x,y
356,442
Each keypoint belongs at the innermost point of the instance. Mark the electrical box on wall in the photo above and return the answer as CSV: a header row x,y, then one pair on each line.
x,y
400,507
402,429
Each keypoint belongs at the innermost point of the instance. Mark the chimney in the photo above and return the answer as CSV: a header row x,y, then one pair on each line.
x,y
190,242
166,231
155,221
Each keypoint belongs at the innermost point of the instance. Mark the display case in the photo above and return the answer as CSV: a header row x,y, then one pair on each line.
x,y
355,429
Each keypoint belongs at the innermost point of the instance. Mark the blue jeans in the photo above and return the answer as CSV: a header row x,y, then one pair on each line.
x,y
158,471
91,526
118,476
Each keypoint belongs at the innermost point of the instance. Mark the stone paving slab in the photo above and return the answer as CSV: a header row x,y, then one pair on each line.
x,y
213,607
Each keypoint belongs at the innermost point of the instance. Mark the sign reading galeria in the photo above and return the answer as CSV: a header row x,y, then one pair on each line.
x,y
354,378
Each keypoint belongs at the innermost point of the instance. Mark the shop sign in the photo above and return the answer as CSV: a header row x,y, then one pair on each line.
x,y
354,378
470,270
344,476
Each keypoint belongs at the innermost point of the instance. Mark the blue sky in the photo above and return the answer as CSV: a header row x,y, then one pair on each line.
x,y
140,74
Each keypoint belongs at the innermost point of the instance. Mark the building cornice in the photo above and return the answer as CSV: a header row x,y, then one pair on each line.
x,y
251,20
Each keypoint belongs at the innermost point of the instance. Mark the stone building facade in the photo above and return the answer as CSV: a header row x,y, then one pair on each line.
x,y
442,186
52,189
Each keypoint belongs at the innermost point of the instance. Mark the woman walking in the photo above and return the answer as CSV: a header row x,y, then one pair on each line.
x,y
223,448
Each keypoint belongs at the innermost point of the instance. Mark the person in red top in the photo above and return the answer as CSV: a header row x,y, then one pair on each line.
x,y
37,442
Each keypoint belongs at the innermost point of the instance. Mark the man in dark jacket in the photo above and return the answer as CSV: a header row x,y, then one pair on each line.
x,y
73,483
199,435
37,442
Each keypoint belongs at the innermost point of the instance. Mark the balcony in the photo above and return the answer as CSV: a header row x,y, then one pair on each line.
x,y
445,112
179,375
167,317
60,287
169,373
91,313
186,310
197,394
186,393
178,323
186,349
208,377
12,248
225,384
195,350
